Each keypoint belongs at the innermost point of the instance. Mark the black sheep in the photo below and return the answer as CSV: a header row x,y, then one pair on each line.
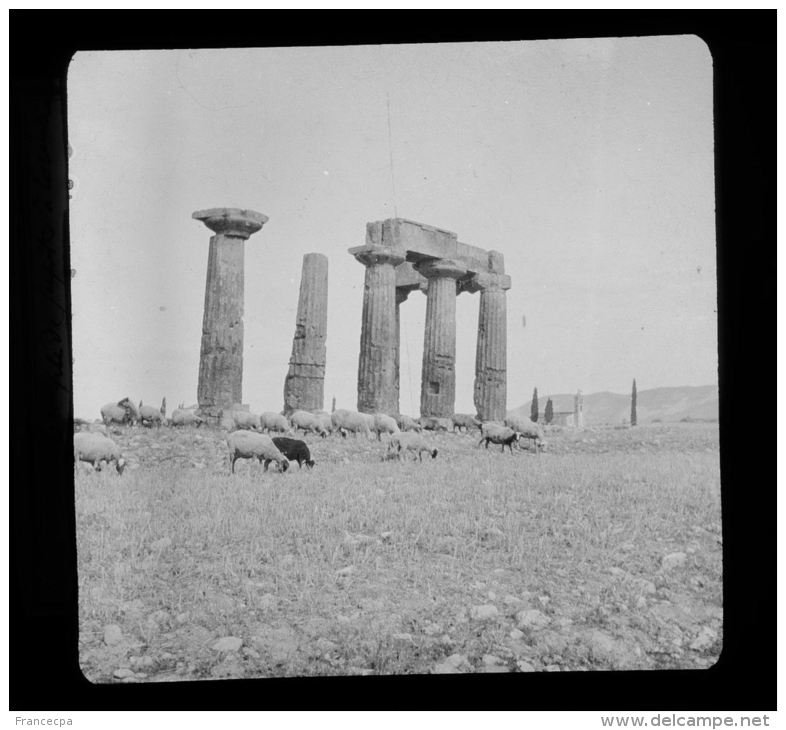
x,y
294,450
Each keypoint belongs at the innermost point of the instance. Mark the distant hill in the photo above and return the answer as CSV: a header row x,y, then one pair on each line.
x,y
666,404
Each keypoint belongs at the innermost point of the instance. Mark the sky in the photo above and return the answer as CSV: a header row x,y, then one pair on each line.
x,y
587,162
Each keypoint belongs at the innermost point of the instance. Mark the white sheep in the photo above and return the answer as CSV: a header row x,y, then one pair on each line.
x,y
97,449
466,421
350,421
384,424
325,421
245,420
527,429
272,421
186,417
148,415
124,411
407,423
250,445
496,433
307,422
414,442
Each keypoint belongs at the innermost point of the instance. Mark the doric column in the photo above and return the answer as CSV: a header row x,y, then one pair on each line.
x,y
401,297
491,354
438,376
376,364
304,386
221,353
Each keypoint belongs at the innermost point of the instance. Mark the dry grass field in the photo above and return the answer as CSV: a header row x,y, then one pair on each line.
x,y
601,553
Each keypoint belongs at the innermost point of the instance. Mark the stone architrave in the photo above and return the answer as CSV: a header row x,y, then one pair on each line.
x,y
438,375
304,386
221,352
491,353
378,347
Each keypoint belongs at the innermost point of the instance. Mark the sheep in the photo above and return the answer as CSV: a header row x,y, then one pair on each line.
x,y
272,421
350,421
124,411
434,423
384,424
325,421
496,433
464,420
95,448
407,423
148,415
186,417
308,422
369,419
526,429
410,442
245,420
250,445
294,450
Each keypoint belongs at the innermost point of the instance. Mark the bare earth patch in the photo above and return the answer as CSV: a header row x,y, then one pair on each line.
x,y
602,553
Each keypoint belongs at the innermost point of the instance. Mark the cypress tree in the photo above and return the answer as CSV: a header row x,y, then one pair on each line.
x,y
633,404
533,416
548,414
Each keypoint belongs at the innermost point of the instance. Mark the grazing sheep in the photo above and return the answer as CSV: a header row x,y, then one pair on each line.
x,y
148,415
186,417
244,420
122,412
95,448
465,421
434,423
496,433
384,424
325,421
414,442
526,429
250,445
407,423
350,421
307,422
272,421
294,450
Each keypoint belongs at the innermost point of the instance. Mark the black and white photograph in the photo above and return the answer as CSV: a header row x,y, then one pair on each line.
x,y
395,359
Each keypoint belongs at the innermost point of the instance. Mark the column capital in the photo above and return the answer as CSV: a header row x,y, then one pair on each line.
x,y
441,269
488,282
372,254
231,221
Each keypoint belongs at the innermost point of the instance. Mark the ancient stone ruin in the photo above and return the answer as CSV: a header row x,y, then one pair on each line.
x,y
304,386
401,256
221,353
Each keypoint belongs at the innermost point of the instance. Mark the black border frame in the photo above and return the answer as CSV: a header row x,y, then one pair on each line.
x,y
44,672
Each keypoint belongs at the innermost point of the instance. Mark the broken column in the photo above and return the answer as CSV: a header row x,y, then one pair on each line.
x,y
305,382
221,353
438,377
491,353
376,364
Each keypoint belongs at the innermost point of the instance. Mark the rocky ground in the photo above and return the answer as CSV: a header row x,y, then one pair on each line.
x,y
484,582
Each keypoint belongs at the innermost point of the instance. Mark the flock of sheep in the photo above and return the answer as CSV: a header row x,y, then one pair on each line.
x,y
250,435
